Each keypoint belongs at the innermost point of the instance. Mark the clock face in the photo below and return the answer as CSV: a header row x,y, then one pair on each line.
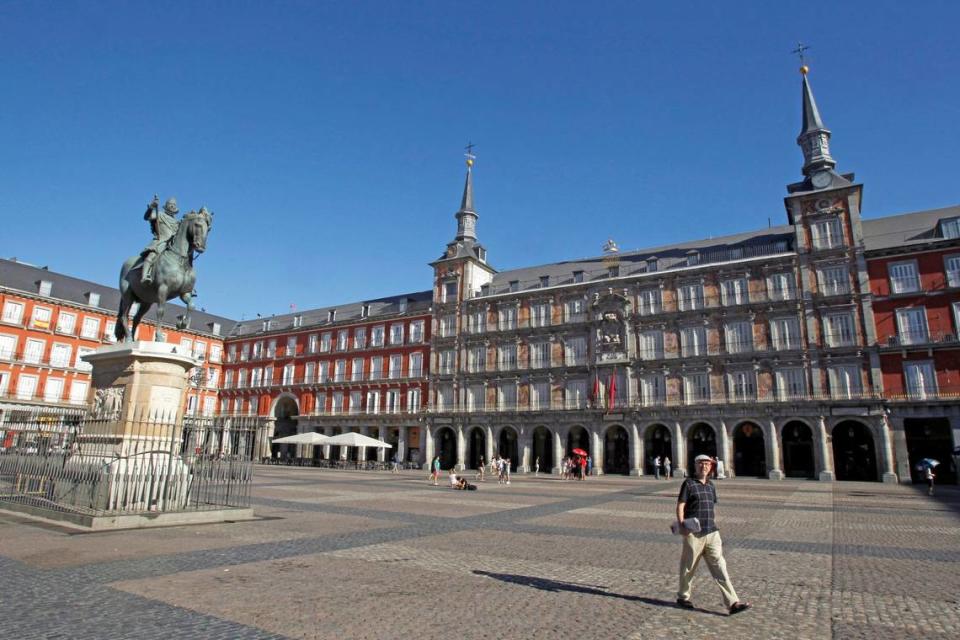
x,y
821,179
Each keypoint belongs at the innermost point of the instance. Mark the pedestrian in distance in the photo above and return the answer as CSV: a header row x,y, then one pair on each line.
x,y
931,476
480,470
589,465
396,464
666,467
436,471
536,467
656,467
697,499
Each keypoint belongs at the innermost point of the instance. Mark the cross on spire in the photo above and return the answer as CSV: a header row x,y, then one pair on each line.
x,y
801,48
469,154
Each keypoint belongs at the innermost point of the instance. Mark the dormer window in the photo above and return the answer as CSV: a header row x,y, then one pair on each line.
x,y
297,321
332,315
365,311
651,264
514,285
481,254
613,272
578,276
45,287
950,228
403,305
544,281
485,289
93,299
693,258
215,328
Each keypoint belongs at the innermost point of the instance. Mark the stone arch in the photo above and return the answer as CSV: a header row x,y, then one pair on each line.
x,y
616,450
476,447
285,411
542,449
701,439
854,451
796,437
657,441
284,400
578,438
508,446
445,446
749,450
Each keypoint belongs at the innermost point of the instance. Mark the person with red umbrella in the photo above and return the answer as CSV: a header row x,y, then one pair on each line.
x,y
580,462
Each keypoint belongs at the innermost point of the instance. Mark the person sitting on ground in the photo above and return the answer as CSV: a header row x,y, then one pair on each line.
x,y
456,482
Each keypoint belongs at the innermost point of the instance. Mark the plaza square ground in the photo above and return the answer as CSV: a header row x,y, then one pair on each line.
x,y
342,554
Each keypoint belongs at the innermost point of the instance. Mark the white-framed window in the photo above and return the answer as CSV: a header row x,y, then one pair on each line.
x,y
575,351
903,276
241,378
539,395
477,321
845,381
245,352
356,369
540,314
186,346
78,392
343,339
444,397
446,359
696,388
53,389
395,369
268,375
951,267
199,350
833,281
507,395
693,341
739,336
742,386
8,347
360,338
320,402
209,405
26,386
477,358
41,317
476,397
956,319
780,286
377,335
326,341
785,333
228,379
216,351
950,228
392,401
109,330
323,371
90,328
340,371
256,377
313,343
539,355
376,368
791,383
356,400
653,389
224,405
4,383
416,331
309,370
33,351
288,370
80,363
336,402
651,344
690,296
827,233
237,405
507,357
839,330
416,365
649,301
291,349
66,323
258,349
921,378
448,325
232,353
734,292
507,318
396,332
573,310
60,355
575,394
213,376
912,325
12,312
448,291
413,400
373,401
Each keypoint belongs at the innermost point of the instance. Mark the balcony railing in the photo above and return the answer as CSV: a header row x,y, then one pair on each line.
x,y
920,337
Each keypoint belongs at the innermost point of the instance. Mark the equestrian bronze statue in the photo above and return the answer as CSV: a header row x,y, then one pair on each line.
x,y
164,269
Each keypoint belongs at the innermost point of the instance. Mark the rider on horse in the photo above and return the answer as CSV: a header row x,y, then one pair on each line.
x,y
163,225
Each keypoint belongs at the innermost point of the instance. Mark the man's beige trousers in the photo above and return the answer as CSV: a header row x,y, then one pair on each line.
x,y
710,548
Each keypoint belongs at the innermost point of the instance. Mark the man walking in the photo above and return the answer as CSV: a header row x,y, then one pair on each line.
x,y
656,467
696,500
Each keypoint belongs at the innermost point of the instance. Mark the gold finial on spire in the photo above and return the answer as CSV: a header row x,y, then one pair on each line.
x,y
804,69
469,154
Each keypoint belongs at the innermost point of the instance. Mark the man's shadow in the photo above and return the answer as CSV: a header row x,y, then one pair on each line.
x,y
556,586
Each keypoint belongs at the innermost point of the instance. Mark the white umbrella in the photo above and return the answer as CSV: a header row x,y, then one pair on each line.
x,y
311,437
355,440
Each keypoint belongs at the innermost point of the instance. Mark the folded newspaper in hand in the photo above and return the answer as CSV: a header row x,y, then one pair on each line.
x,y
690,525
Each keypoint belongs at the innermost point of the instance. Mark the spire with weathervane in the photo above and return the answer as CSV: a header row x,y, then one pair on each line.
x,y
466,216
814,138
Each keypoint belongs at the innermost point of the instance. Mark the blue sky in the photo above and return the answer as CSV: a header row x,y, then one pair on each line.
x,y
328,137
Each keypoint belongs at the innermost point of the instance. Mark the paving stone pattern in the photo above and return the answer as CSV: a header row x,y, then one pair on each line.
x,y
341,554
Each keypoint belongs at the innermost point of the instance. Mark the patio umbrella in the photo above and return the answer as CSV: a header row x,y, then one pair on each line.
x,y
351,439
579,452
927,462
310,437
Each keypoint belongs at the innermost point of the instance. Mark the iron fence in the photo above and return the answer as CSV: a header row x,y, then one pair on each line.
x,y
114,465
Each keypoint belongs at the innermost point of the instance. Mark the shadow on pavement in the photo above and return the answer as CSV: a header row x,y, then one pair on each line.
x,y
947,496
556,586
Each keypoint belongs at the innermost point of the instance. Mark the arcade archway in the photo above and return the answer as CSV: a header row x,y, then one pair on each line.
x,y
749,454
507,446
476,448
797,441
657,442
542,450
854,452
578,438
701,440
446,447
616,451
930,438
285,412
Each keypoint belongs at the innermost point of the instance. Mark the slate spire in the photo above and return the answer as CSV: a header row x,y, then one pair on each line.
x,y
814,138
466,216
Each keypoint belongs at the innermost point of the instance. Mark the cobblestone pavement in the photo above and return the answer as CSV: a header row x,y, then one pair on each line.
x,y
378,555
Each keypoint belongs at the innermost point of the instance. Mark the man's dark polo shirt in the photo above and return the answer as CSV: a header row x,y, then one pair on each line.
x,y
700,499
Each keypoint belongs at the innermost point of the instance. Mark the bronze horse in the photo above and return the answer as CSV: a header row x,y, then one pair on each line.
x,y
173,276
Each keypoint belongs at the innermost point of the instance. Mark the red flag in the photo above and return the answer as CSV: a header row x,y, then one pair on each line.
x,y
597,398
613,389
